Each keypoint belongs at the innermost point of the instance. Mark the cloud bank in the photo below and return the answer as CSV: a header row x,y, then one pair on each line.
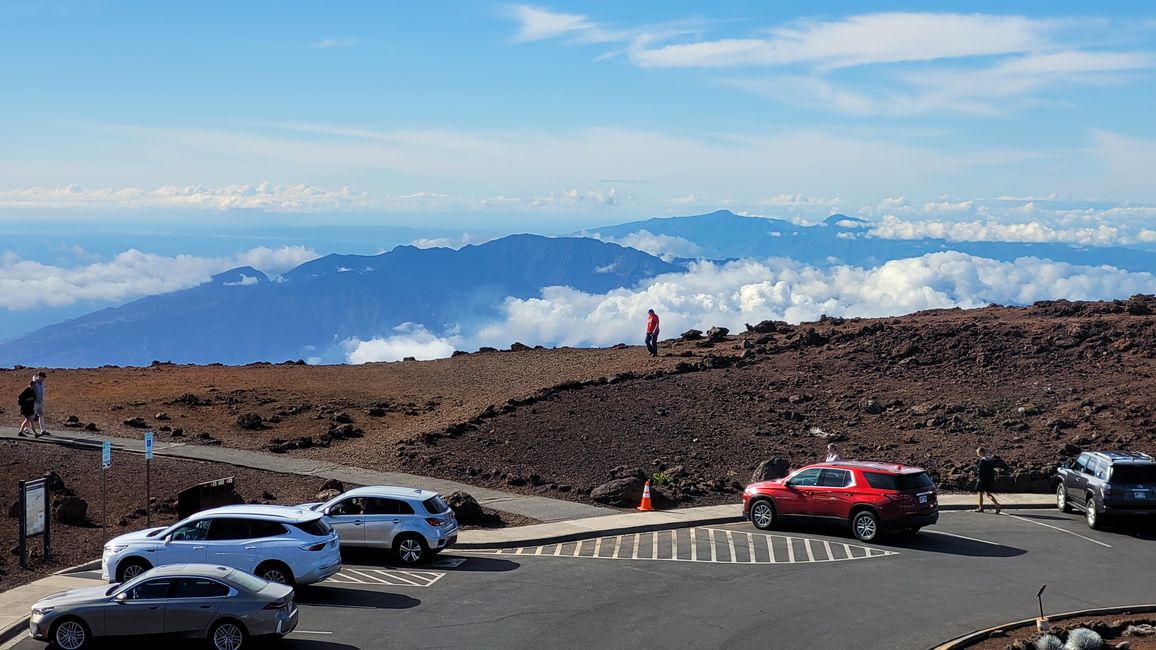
x,y
27,285
264,196
410,340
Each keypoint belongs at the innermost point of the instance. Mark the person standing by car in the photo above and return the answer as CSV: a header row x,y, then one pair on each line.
x,y
832,454
27,402
985,478
652,332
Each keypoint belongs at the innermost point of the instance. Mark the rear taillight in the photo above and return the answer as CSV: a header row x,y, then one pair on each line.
x,y
434,521
276,606
314,547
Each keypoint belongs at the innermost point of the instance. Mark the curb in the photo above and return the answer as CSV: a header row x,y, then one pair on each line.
x,y
592,534
14,630
980,635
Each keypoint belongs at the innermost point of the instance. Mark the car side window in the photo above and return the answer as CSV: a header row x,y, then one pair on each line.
x,y
261,528
229,528
806,478
1090,468
353,506
1101,470
834,478
200,588
193,531
1081,463
381,506
151,589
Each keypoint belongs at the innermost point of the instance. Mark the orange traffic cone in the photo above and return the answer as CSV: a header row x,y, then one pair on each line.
x,y
646,505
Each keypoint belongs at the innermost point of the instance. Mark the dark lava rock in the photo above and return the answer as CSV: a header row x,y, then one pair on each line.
x,y
325,495
333,484
717,333
691,335
621,492
136,423
518,347
70,510
466,509
251,421
770,469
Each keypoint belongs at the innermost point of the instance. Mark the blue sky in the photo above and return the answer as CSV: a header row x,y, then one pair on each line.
x,y
147,145
569,113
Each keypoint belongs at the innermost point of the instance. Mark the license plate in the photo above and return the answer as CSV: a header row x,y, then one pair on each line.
x,y
923,498
1140,494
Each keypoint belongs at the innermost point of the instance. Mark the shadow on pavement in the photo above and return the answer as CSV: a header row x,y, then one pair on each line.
x,y
932,542
332,596
441,562
480,564
312,644
1132,527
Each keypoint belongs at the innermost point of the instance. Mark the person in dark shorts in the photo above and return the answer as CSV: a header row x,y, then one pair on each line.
x,y
27,402
985,473
652,332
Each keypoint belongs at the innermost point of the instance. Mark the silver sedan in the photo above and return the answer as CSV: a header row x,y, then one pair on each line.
x,y
223,605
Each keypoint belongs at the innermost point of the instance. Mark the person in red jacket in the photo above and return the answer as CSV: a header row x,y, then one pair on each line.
x,y
652,332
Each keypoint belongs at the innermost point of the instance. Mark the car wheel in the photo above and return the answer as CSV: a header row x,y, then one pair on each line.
x,y
228,635
70,634
275,572
130,569
1090,514
410,549
1062,499
865,526
763,514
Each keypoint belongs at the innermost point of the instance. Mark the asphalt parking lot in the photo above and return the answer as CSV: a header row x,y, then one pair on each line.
x,y
734,586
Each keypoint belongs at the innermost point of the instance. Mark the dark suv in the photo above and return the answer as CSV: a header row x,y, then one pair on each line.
x,y
1108,483
869,497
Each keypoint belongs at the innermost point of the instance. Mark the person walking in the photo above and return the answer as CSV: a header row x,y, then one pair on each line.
x,y
38,409
832,454
27,402
652,332
985,473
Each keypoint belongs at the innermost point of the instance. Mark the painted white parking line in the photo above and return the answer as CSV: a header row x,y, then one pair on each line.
x,y
693,545
385,577
1040,523
970,539
309,632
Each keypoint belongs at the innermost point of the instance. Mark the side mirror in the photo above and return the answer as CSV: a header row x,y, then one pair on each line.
x,y
122,596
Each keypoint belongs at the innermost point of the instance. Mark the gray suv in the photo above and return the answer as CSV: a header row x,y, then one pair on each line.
x,y
1108,483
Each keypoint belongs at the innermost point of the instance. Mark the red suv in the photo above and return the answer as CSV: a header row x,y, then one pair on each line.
x,y
870,497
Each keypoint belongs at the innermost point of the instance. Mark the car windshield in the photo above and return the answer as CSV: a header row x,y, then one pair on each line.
x,y
1134,474
899,482
435,505
316,527
245,580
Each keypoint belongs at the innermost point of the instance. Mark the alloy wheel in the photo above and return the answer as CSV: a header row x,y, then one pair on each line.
x,y
70,635
762,515
409,550
227,636
275,575
865,527
132,570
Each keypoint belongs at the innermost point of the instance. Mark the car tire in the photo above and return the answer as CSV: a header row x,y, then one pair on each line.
x,y
131,568
70,633
1093,518
275,572
1062,499
228,635
410,549
763,514
865,526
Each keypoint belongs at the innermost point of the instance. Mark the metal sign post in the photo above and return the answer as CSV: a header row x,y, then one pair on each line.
x,y
148,482
105,463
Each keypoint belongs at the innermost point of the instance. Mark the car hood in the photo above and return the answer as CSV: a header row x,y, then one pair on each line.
x,y
84,595
136,536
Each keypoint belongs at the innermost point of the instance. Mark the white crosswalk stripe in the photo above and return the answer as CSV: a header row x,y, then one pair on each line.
x,y
705,544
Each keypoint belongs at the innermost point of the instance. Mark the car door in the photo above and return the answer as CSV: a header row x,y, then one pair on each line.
x,y
347,517
383,520
184,545
229,544
796,499
833,496
1088,482
139,609
193,604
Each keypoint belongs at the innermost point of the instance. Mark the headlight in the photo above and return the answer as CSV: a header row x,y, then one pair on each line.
x,y
115,548
41,611
750,489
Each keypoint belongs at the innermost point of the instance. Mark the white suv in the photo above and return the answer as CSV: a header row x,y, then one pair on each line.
x,y
279,543
414,524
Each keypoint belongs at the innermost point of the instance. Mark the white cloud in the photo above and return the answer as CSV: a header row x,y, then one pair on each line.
x,y
329,43
409,341
747,292
792,200
264,196
535,23
664,246
245,281
26,284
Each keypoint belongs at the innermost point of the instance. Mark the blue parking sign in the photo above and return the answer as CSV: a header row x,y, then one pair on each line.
x,y
149,445
106,455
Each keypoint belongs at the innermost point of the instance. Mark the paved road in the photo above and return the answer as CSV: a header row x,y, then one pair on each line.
x,y
720,588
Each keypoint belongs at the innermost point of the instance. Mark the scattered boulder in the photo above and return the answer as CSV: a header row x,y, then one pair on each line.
x,y
70,510
251,421
136,423
325,495
518,347
333,484
770,469
161,416
717,334
621,492
91,426
467,510
692,335
871,407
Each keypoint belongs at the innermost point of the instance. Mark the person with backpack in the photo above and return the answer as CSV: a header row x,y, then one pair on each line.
x,y
985,478
27,403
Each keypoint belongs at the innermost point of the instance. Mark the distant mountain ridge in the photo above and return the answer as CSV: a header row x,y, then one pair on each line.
x,y
841,239
242,316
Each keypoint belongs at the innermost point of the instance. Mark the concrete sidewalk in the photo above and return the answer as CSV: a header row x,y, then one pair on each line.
x,y
541,508
16,603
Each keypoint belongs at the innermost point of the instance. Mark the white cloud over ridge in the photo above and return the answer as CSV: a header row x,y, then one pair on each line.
x,y
27,285
750,291
664,246
263,196
409,340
